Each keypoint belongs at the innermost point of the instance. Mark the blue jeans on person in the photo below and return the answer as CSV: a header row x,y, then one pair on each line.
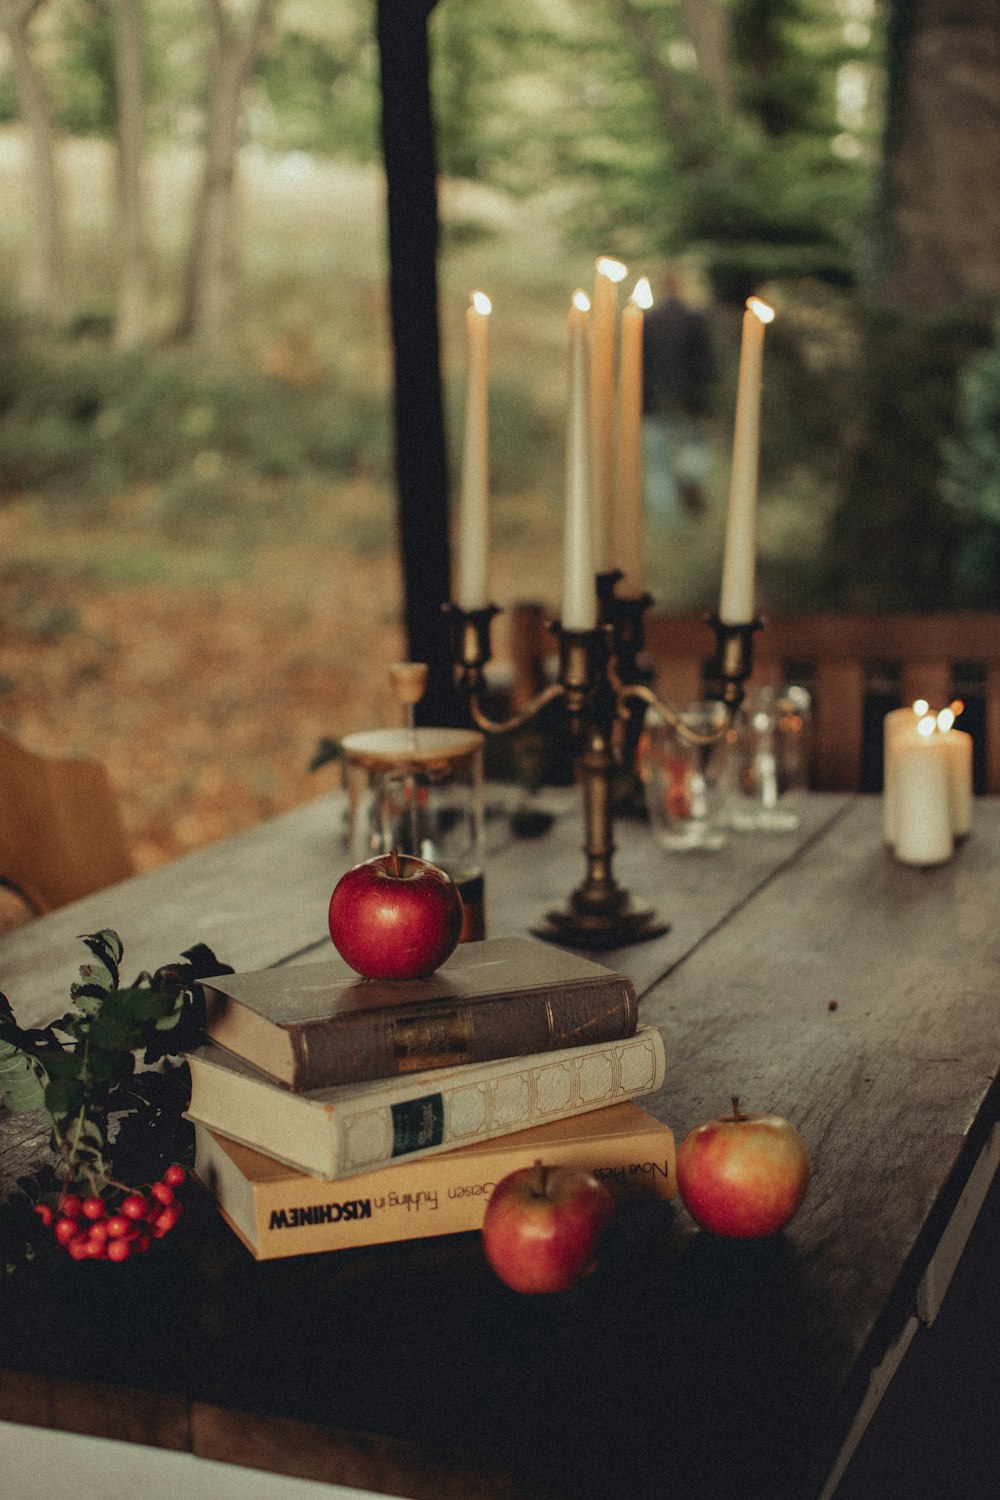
x,y
675,460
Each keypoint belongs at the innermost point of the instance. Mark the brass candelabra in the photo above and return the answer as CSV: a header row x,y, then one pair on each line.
x,y
606,687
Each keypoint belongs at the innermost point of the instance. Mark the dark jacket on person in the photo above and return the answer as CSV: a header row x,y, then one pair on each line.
x,y
678,361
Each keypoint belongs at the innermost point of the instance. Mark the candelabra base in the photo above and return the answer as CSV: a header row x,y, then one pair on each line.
x,y
597,930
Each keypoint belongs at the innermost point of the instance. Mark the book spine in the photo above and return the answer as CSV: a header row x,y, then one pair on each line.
x,y
442,1195
482,1105
418,1038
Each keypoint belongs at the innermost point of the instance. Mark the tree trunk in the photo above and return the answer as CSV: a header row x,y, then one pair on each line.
x,y
894,542
706,25
132,313
208,288
43,286
411,175
940,208
641,37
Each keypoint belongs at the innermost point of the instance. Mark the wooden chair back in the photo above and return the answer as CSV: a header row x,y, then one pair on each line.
x,y
843,659
61,831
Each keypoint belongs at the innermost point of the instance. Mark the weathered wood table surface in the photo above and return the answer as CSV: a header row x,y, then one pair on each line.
x,y
808,973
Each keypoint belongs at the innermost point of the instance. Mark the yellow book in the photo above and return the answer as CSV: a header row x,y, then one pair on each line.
x,y
278,1212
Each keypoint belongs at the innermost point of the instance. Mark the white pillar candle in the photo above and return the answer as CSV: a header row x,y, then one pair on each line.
x,y
923,805
628,512
607,274
579,606
894,722
736,603
472,589
959,747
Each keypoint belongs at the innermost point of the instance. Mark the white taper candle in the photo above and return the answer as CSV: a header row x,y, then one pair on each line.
x,y
472,587
736,602
579,606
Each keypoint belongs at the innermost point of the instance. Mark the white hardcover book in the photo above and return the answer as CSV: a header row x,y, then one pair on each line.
x,y
352,1128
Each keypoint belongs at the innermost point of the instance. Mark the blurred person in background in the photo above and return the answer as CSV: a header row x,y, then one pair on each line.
x,y
678,371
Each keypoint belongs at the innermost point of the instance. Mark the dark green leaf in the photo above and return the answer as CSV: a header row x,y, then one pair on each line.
x,y
116,1033
141,1005
108,1067
107,948
20,1086
64,1096
58,1063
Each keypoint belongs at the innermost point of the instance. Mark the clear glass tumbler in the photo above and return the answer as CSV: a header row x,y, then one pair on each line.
x,y
770,749
683,778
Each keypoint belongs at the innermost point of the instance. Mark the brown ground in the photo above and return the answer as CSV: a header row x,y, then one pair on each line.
x,y
205,705
206,691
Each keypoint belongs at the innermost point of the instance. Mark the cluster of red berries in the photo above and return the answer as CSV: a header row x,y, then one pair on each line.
x,y
89,1231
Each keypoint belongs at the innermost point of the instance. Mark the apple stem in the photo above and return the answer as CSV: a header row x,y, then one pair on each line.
x,y
538,1179
736,1107
394,856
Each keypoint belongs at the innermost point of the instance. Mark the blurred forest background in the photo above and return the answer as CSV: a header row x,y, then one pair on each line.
x,y
198,549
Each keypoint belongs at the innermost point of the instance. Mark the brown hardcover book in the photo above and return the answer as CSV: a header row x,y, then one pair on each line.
x,y
276,1211
315,1025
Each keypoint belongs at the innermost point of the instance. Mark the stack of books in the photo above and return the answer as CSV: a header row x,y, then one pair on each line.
x,y
332,1111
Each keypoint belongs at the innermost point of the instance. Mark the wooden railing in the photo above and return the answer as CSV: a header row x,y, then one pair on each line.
x,y
846,661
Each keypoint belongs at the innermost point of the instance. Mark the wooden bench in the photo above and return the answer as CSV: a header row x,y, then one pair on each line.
x,y
855,666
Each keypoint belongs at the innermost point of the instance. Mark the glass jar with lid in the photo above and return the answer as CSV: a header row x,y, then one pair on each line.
x,y
420,791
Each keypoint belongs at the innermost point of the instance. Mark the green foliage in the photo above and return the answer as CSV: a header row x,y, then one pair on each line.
x,y
82,1068
971,476
609,100
895,541
321,87
972,457
781,78
86,72
20,1085
83,422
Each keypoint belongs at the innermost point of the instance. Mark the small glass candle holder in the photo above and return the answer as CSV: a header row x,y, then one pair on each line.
x,y
683,780
420,791
770,759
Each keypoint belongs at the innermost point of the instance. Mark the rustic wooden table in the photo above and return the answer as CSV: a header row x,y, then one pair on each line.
x,y
807,972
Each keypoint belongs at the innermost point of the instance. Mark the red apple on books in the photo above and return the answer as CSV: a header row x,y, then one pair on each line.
x,y
743,1176
395,917
542,1226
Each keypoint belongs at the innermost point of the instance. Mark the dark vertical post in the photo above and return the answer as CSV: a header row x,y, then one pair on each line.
x,y
421,465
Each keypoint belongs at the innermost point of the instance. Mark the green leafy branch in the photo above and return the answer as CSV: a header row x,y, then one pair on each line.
x,y
83,1069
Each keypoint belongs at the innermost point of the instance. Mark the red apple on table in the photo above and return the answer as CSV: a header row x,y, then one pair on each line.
x,y
743,1176
395,917
542,1226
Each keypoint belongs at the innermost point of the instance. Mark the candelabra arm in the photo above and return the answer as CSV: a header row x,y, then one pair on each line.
x,y
731,665
674,716
516,721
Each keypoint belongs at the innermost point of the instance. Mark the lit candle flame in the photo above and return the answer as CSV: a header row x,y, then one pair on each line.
x,y
921,707
927,726
945,720
760,309
581,300
481,303
642,296
612,269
